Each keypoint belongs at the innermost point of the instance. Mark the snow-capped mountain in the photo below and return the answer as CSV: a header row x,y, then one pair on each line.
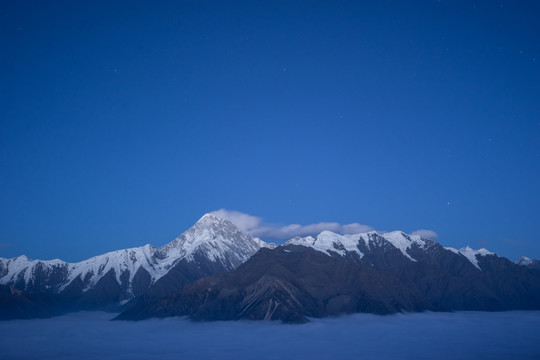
x,y
524,261
528,262
211,245
332,274
213,271
217,239
328,242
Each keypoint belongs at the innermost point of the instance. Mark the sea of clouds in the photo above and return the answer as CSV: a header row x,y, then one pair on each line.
x,y
461,335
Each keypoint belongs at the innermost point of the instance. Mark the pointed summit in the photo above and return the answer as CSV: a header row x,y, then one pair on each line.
x,y
210,226
216,239
209,218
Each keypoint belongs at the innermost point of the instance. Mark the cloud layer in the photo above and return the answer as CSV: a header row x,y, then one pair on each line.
x,y
255,226
91,336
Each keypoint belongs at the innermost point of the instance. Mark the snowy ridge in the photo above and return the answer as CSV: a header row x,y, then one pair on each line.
x,y
264,244
127,261
24,268
303,241
215,239
90,270
471,254
328,241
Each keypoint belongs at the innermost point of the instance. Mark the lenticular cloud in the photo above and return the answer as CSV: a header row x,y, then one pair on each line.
x,y
255,226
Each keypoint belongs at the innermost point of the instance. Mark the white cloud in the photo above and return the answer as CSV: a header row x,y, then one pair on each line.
x,y
257,227
244,222
428,234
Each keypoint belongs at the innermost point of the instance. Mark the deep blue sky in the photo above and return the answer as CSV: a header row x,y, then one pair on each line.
x,y
124,122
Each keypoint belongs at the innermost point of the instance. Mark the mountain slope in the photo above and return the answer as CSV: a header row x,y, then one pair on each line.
x,y
281,284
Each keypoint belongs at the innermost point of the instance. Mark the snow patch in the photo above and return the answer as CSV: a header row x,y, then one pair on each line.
x,y
471,254
524,261
403,242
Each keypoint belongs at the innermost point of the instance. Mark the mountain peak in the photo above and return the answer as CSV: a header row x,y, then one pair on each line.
x,y
215,238
524,261
214,223
208,217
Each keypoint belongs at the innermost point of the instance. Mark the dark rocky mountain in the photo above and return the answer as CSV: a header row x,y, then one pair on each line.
x,y
17,304
333,274
211,246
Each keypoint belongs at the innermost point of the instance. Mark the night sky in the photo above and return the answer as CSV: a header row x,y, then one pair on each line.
x,y
122,123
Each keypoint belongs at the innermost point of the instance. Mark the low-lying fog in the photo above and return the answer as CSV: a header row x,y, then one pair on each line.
x,y
462,335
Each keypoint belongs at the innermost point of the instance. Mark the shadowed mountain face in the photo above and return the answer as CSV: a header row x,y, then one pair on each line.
x,y
291,283
211,246
17,304
287,283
